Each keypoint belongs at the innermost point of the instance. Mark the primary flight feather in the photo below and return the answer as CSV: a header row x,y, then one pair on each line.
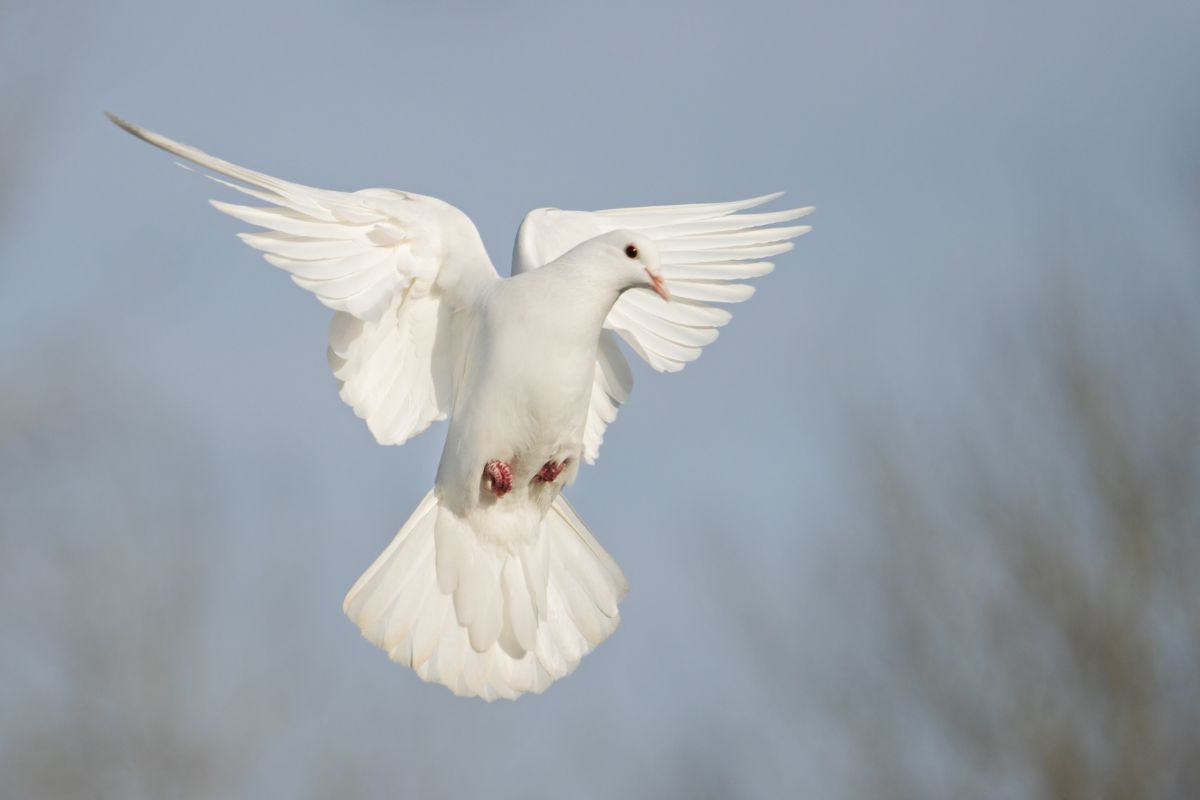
x,y
495,587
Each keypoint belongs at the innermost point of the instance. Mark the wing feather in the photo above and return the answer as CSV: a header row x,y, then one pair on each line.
x,y
286,220
611,384
717,270
737,222
385,260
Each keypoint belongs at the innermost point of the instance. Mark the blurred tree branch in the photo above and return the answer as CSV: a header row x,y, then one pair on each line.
x,y
1037,605
111,543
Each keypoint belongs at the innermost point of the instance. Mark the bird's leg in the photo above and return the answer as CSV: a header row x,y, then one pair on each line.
x,y
497,476
550,471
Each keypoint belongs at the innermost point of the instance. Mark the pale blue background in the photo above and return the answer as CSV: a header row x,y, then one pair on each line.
x,y
165,391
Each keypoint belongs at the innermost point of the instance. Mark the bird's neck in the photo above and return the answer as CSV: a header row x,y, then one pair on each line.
x,y
578,294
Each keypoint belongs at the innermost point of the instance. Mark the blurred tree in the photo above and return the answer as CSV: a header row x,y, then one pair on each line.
x,y
1034,577
28,93
110,528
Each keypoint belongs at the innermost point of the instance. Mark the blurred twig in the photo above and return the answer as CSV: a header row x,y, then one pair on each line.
x,y
1037,605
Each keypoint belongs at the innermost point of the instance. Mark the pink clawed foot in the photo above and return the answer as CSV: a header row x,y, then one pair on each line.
x,y
550,471
498,477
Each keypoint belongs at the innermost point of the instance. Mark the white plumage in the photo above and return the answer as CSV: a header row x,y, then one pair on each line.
x,y
495,587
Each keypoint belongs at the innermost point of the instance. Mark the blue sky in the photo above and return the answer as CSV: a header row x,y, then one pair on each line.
x,y
943,143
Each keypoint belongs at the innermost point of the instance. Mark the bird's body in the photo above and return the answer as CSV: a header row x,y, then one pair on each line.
x,y
529,365
495,587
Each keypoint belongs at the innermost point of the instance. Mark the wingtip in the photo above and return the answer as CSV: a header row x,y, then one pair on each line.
x,y
803,211
121,123
754,202
135,130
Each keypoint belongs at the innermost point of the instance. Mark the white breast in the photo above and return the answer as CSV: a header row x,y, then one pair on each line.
x,y
524,394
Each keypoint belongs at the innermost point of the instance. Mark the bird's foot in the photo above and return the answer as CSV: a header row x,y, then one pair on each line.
x,y
497,476
550,471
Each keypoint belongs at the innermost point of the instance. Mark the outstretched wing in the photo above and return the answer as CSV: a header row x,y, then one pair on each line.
x,y
707,250
397,268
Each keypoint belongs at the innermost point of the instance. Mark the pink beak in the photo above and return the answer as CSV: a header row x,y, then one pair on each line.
x,y
658,285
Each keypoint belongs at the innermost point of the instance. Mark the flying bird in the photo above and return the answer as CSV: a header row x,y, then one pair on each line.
x,y
495,587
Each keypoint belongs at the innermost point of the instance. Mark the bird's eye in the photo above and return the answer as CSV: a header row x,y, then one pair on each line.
x,y
631,250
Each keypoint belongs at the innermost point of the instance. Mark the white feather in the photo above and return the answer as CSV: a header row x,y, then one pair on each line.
x,y
404,607
368,255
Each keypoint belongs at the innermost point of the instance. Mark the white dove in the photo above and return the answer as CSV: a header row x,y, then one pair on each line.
x,y
495,587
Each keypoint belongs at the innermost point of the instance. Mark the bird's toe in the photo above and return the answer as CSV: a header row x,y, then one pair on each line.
x,y
497,477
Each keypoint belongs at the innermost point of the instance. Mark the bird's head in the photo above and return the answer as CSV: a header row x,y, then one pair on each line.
x,y
634,259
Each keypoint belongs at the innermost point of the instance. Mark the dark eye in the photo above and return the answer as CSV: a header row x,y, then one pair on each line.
x,y
631,250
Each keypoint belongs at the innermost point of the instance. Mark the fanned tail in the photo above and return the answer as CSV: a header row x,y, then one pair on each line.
x,y
484,619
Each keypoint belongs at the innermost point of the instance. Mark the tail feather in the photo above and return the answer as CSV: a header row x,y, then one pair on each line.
x,y
482,619
391,565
